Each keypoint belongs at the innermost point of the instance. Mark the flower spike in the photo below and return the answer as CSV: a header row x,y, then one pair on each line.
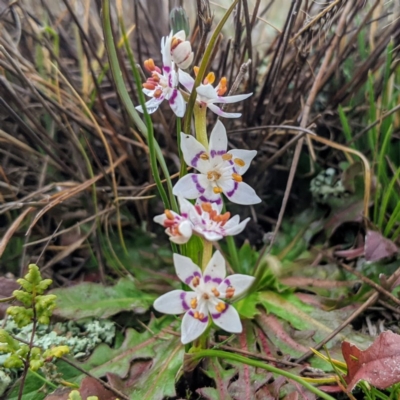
x,y
206,300
220,171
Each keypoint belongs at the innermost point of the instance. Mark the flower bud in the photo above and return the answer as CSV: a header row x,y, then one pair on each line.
x,y
179,20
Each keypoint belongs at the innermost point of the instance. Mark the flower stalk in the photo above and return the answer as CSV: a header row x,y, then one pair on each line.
x,y
200,123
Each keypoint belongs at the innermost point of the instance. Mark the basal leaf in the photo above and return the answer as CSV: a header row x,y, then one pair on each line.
x,y
96,300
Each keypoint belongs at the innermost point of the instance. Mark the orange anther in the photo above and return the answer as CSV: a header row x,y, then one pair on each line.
x,y
204,156
217,190
175,42
221,306
198,315
149,85
169,214
149,65
196,70
222,86
210,78
230,292
239,162
237,177
227,157
215,292
193,303
196,281
206,207
157,93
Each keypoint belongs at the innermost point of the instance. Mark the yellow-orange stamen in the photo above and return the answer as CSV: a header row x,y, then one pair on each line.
x,y
196,281
206,296
221,306
175,42
215,292
204,156
227,157
157,93
169,214
230,292
196,70
193,303
198,315
222,87
217,190
206,207
210,78
239,162
149,85
237,177
213,175
149,65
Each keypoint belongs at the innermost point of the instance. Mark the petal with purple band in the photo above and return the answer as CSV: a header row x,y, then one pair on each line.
x,y
177,103
185,268
216,267
245,155
191,150
192,328
218,140
239,282
244,194
189,186
171,302
217,110
229,320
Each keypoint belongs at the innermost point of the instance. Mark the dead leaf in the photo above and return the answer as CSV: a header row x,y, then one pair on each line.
x,y
379,365
378,247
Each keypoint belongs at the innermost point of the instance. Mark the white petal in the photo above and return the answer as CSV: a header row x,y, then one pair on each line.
x,y
181,35
182,53
190,186
171,302
218,140
245,155
237,228
232,99
207,92
178,239
166,49
221,113
228,320
192,328
192,150
185,206
215,269
177,103
242,194
186,269
188,62
211,236
239,282
186,80
185,229
210,197
160,219
153,104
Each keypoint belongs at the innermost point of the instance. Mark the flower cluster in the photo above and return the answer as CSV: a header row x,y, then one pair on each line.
x,y
218,175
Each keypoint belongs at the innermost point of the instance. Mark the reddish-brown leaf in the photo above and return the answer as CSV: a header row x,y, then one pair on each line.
x,y
378,247
379,364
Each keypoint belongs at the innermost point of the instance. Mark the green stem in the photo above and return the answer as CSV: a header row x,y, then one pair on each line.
x,y
40,377
258,364
200,123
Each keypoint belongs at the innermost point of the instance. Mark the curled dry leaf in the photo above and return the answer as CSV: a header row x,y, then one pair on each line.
x,y
378,247
379,365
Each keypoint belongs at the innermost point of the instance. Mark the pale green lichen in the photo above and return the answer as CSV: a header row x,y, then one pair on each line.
x,y
326,185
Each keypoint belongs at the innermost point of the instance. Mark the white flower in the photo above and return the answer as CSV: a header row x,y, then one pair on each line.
x,y
162,85
206,299
204,220
208,95
220,170
180,49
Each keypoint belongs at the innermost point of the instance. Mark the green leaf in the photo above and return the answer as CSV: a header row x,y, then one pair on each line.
x,y
31,389
163,349
95,300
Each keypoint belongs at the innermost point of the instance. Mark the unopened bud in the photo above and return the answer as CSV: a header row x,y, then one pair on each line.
x,y
179,20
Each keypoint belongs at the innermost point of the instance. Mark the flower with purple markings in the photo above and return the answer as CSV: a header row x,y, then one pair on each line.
x,y
204,220
208,95
220,171
163,83
206,300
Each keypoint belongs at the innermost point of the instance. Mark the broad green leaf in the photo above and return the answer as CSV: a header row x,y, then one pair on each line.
x,y
31,389
96,300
